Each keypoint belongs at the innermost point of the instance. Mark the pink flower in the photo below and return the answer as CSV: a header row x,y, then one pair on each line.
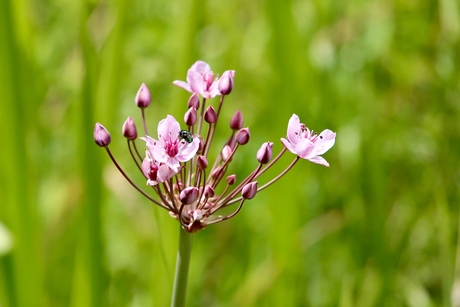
x,y
169,148
307,145
154,171
200,80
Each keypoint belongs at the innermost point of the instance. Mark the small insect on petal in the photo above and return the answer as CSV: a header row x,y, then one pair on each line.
x,y
186,136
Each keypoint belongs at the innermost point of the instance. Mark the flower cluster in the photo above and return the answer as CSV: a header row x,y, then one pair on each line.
x,y
175,164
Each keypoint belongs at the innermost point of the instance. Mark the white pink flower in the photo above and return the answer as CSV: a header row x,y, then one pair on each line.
x,y
170,149
306,144
200,80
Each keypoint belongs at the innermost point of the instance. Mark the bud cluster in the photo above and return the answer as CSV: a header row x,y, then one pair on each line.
x,y
175,163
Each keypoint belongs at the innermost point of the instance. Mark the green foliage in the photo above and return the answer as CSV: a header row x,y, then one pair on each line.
x,y
379,227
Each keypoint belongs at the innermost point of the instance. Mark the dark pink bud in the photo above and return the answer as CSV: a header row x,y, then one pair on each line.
x,y
217,173
188,195
249,190
194,101
242,136
210,115
202,162
226,153
208,191
237,121
190,117
129,129
231,179
225,85
264,154
101,135
143,97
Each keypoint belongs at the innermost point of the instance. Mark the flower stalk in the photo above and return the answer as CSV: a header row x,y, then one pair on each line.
x,y
184,254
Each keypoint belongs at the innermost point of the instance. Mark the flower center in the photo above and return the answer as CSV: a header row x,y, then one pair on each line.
x,y
171,148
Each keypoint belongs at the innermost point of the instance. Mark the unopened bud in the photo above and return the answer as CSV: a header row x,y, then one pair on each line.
x,y
143,97
210,115
264,154
225,85
202,162
237,121
226,153
208,191
101,135
194,101
242,136
217,173
129,129
190,117
188,195
231,179
249,190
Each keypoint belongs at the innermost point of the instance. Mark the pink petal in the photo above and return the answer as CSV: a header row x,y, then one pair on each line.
x,y
201,67
288,145
187,150
164,173
324,142
293,130
195,80
304,148
319,160
173,164
183,85
168,129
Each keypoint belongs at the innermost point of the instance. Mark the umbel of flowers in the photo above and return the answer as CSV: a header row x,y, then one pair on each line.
x,y
175,163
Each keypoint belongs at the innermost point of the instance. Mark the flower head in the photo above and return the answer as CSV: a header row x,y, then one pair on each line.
x,y
200,80
170,149
306,144
192,189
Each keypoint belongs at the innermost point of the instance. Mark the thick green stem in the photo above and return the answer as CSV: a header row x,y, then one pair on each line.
x,y
182,264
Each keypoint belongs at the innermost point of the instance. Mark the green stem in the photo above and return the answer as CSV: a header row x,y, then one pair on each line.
x,y
182,264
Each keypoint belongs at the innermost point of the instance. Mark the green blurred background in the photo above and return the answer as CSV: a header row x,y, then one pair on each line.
x,y
377,228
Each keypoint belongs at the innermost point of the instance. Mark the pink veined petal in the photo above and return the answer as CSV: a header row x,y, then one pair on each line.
x,y
293,130
183,85
201,67
319,160
187,150
304,148
173,164
214,89
324,142
168,129
195,81
288,145
164,173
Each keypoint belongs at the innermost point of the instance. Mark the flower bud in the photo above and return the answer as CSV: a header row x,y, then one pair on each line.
x,y
249,190
190,117
194,101
217,173
129,129
101,135
242,136
225,85
210,115
264,154
231,179
208,191
143,97
226,153
237,121
188,195
202,162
